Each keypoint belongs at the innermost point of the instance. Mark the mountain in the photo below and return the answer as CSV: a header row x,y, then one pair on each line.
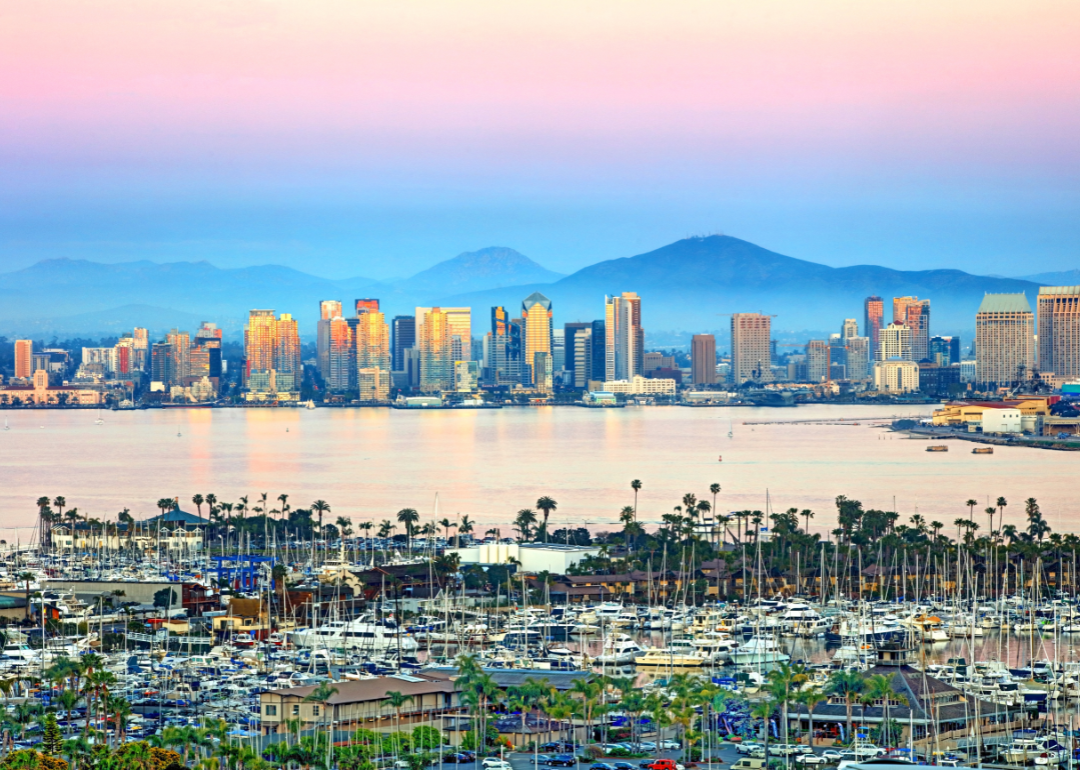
x,y
114,322
1062,278
63,288
690,283
490,268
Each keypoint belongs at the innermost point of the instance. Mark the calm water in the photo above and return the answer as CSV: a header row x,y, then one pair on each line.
x,y
370,463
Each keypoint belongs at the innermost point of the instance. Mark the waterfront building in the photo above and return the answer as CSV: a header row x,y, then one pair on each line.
x,y
272,354
896,376
1004,340
160,363
403,337
543,371
751,352
180,350
703,359
641,386
937,379
434,341
818,361
857,358
578,341
894,341
41,393
536,314
1059,330
329,309
372,341
466,376
123,354
624,345
558,350
24,359
914,313
873,320
373,384
367,306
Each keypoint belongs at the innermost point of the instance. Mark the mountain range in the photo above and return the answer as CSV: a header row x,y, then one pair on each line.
x,y
685,286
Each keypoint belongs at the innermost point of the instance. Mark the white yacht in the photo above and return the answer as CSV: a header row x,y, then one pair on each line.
x,y
361,634
759,649
621,650
670,658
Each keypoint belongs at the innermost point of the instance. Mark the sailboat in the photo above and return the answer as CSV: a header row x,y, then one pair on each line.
x,y
731,429
6,426
310,404
99,421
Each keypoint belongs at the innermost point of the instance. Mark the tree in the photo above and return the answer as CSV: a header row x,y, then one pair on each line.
x,y
52,741
165,598
811,698
198,500
547,505
636,486
781,683
847,685
396,700
408,517
879,687
319,506
526,517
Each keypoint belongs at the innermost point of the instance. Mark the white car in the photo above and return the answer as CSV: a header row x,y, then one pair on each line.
x,y
746,748
810,759
494,763
666,745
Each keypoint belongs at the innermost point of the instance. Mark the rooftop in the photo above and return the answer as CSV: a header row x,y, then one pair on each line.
x,y
374,689
1005,303
1059,290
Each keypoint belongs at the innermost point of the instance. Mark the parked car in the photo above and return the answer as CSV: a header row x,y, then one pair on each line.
x,y
494,762
831,755
562,760
624,766
810,759
746,748
664,745
647,746
600,766
456,758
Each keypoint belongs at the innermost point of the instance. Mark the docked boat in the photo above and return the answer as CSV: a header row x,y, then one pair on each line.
x,y
937,448
759,649
621,650
354,635
983,450
670,658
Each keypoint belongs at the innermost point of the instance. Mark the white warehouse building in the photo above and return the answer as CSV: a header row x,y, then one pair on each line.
x,y
533,557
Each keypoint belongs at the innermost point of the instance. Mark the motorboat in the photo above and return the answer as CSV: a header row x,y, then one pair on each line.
x,y
670,658
759,649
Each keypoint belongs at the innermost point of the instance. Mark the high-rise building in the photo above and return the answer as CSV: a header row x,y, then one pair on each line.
x,y
849,329
818,363
500,320
123,355
914,313
466,376
208,345
24,358
703,359
435,341
857,359
944,351
1059,330
329,309
403,330
536,314
272,353
751,354
624,345
577,341
599,352
558,349
161,359
373,356
180,349
873,320
140,349
1004,340
459,328
542,371
896,376
894,341
340,355
367,306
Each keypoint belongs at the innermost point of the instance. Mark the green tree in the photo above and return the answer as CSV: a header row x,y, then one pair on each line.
x,y
849,686
408,517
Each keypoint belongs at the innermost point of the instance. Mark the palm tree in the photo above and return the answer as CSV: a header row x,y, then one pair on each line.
x,y
547,505
811,698
396,700
58,503
879,687
465,527
781,681
345,526
847,685
636,486
198,500
1001,503
526,517
763,711
319,506
408,517
446,524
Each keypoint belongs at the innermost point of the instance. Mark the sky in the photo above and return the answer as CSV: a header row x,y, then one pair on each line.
x,y
355,138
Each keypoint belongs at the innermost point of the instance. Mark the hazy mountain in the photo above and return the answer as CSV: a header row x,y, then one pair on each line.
x,y
115,322
690,283
490,268
62,288
1061,278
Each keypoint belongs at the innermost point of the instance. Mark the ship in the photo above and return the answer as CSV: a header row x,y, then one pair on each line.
x,y
937,448
983,450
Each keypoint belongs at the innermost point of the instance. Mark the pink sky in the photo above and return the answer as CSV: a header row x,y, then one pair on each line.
x,y
568,97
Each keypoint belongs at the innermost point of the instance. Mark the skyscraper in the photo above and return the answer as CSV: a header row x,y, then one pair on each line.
x,y
1004,340
341,355
624,345
404,337
272,353
367,306
180,350
577,339
435,343
751,354
24,358
873,314
208,340
894,341
500,320
288,367
1059,330
140,349
849,329
915,314
598,343
703,359
459,328
857,358
818,363
536,314
329,309
372,352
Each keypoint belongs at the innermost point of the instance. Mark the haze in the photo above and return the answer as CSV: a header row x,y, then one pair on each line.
x,y
361,138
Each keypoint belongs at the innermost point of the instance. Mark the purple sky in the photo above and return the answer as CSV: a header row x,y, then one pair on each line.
x,y
361,138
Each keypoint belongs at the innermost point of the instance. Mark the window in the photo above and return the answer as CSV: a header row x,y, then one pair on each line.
x,y
271,711
296,710
314,711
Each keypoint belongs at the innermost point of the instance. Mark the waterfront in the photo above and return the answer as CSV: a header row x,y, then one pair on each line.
x,y
369,463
